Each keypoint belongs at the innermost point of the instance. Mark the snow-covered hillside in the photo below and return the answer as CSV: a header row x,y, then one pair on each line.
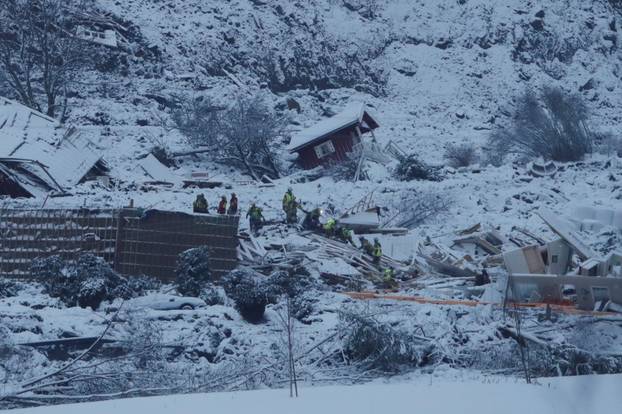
x,y
453,67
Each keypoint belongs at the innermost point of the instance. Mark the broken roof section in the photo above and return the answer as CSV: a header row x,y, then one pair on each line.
x,y
353,114
565,231
34,144
156,172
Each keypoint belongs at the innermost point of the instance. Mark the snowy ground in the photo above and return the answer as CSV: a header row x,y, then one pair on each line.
x,y
436,96
589,394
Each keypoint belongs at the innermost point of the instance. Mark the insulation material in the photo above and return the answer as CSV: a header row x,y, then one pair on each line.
x,y
525,260
365,219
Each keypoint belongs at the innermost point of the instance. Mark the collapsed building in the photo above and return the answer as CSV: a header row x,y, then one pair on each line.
x,y
333,139
40,156
567,270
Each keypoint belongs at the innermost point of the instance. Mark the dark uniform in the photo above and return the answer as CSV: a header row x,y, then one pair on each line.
x,y
366,246
200,204
312,220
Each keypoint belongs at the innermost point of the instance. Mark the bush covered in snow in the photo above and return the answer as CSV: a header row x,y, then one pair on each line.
x,y
207,338
8,288
552,125
211,295
137,286
250,293
461,155
298,286
144,342
412,168
86,282
377,344
193,271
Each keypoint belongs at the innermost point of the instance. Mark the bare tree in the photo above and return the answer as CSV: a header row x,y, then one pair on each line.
x,y
417,207
40,53
243,135
552,125
347,168
460,155
287,320
198,120
522,343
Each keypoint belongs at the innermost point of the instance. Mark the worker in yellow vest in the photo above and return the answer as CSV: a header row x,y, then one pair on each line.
x,y
200,204
290,207
329,227
377,251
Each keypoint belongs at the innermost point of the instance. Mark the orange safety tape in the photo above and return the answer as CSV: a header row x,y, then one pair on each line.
x,y
419,299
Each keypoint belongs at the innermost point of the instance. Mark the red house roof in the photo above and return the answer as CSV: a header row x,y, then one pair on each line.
x,y
353,114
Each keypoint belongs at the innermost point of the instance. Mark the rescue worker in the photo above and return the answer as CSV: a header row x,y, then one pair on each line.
x,y
200,204
329,227
290,207
388,279
292,213
482,278
233,205
366,246
255,218
345,235
377,253
222,206
312,220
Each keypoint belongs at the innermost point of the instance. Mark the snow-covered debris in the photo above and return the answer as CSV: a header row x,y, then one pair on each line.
x,y
33,144
156,172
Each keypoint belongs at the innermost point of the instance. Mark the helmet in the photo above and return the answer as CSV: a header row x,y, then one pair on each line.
x,y
289,189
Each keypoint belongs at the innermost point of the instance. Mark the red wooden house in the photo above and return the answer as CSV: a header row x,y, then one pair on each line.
x,y
332,139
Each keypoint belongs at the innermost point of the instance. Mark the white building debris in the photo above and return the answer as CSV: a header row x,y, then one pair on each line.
x,y
39,155
154,172
567,269
105,37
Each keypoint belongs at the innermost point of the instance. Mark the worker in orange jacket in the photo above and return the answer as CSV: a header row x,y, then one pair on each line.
x,y
233,205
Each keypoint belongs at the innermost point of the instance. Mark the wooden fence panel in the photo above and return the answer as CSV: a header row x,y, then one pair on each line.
x,y
132,241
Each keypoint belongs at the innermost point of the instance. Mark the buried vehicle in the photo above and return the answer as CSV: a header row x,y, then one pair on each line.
x,y
166,302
